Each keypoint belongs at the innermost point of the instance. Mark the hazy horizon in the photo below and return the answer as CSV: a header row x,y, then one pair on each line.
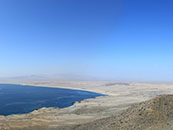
x,y
94,39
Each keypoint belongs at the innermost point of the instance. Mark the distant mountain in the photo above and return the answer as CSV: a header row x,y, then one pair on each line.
x,y
49,77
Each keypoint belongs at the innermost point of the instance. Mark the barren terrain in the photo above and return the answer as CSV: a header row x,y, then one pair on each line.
x,y
120,96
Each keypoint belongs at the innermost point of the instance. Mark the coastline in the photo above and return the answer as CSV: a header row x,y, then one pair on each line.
x,y
120,97
24,99
73,88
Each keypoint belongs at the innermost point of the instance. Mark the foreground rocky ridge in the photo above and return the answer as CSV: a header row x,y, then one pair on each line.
x,y
155,114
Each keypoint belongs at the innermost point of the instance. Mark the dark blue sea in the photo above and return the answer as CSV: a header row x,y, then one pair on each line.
x,y
20,99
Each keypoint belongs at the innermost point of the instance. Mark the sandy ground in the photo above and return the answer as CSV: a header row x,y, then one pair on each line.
x,y
120,97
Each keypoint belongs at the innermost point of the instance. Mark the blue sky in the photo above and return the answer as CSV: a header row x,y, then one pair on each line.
x,y
101,39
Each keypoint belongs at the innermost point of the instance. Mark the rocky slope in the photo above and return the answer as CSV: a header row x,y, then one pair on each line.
x,y
155,114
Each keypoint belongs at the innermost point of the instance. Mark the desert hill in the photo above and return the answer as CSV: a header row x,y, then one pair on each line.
x,y
154,114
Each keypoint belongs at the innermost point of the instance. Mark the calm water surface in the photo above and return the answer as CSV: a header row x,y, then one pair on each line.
x,y
19,99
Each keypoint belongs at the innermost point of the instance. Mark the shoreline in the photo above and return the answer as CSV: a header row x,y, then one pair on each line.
x,y
119,97
65,87
70,88
81,89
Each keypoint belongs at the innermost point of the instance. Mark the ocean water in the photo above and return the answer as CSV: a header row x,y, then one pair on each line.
x,y
20,99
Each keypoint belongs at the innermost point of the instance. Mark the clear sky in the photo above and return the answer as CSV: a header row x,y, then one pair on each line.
x,y
103,39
